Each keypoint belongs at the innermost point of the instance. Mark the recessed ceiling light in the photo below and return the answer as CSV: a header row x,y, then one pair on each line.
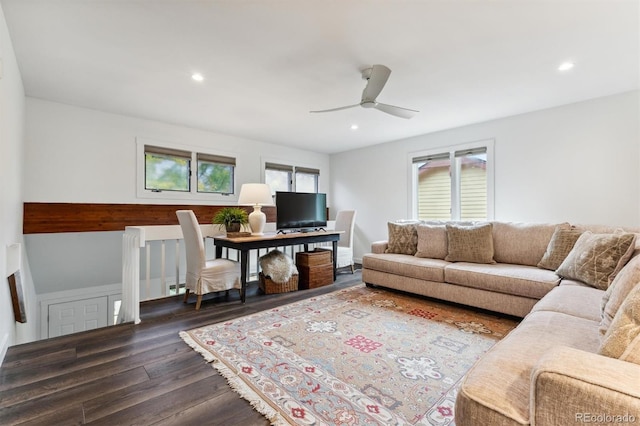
x,y
197,77
566,66
354,127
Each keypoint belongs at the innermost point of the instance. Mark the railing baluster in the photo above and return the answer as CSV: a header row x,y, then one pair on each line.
x,y
147,291
163,268
177,267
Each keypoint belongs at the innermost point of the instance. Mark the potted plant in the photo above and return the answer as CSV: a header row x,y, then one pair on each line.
x,y
231,217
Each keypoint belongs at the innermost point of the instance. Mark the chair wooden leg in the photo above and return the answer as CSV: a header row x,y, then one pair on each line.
x,y
198,302
353,269
186,295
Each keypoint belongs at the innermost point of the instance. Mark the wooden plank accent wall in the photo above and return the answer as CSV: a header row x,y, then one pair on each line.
x,y
41,218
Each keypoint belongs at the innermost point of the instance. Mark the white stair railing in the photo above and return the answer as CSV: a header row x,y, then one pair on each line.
x,y
140,238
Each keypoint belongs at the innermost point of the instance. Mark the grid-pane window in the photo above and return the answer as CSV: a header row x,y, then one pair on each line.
x,y
451,185
306,179
215,173
166,169
278,177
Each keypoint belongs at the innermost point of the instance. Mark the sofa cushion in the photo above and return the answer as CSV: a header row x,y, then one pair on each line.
x,y
497,388
470,243
577,301
562,241
622,284
403,237
520,280
406,266
521,243
624,328
597,258
432,241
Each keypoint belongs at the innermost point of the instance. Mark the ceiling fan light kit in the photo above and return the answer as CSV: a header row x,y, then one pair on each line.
x,y
376,77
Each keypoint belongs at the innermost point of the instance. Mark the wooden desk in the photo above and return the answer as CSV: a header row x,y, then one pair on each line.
x,y
244,244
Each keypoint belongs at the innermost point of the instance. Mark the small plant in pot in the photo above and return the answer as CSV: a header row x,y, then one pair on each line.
x,y
231,217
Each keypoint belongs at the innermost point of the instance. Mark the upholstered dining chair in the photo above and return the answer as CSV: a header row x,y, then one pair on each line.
x,y
204,276
345,221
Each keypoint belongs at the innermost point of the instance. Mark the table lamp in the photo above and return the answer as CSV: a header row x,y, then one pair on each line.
x,y
256,195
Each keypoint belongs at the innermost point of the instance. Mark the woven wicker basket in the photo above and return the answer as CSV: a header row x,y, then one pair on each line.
x,y
270,287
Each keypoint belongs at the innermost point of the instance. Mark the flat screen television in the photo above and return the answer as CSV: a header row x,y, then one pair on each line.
x,y
302,211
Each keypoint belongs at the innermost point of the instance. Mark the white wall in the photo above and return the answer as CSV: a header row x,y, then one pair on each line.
x,y
11,166
78,155
577,163
85,156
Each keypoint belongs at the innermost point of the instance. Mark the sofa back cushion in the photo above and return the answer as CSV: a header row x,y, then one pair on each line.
x,y
522,243
470,243
597,258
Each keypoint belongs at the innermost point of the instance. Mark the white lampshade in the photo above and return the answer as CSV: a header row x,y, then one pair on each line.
x,y
256,195
252,194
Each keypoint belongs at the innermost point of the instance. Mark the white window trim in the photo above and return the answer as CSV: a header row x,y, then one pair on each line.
x,y
451,149
193,195
294,165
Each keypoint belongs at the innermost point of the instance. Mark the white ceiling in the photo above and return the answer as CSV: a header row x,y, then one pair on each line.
x,y
266,63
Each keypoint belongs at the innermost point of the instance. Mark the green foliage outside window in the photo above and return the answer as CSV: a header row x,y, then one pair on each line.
x,y
166,173
214,177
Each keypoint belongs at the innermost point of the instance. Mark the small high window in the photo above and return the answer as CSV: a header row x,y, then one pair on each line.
x,y
215,173
166,169
287,178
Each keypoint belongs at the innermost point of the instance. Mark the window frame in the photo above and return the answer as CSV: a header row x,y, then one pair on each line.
x,y
455,178
193,193
276,164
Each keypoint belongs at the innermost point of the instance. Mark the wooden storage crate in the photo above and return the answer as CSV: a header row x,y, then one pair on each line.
x,y
315,268
313,258
269,287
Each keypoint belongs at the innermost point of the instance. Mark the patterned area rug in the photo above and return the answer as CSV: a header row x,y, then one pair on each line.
x,y
358,356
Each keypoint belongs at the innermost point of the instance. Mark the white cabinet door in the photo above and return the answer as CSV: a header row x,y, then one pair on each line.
x,y
79,315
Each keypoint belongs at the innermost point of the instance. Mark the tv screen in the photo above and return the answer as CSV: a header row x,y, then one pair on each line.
x,y
300,210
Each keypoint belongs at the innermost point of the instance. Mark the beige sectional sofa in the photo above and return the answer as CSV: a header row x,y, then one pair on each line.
x,y
575,357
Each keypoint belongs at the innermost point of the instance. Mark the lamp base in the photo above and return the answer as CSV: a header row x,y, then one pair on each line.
x,y
257,220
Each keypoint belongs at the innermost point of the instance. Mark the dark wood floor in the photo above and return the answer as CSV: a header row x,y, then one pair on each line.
x,y
135,374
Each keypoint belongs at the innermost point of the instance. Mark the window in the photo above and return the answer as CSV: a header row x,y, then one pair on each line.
x,y
215,173
307,179
288,178
184,173
278,177
166,169
453,184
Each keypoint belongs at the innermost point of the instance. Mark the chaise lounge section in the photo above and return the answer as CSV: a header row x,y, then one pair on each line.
x,y
575,357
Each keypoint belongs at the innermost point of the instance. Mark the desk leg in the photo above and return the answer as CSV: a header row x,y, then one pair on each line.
x,y
218,252
244,255
334,244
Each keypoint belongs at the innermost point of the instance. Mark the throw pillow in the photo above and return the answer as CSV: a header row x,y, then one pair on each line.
x,y
562,241
403,238
432,241
624,328
632,353
595,259
470,243
620,287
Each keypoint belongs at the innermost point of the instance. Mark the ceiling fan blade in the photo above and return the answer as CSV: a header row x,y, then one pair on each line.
x,y
337,109
396,110
377,79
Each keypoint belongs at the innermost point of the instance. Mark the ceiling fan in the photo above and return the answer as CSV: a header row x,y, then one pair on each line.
x,y
376,77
